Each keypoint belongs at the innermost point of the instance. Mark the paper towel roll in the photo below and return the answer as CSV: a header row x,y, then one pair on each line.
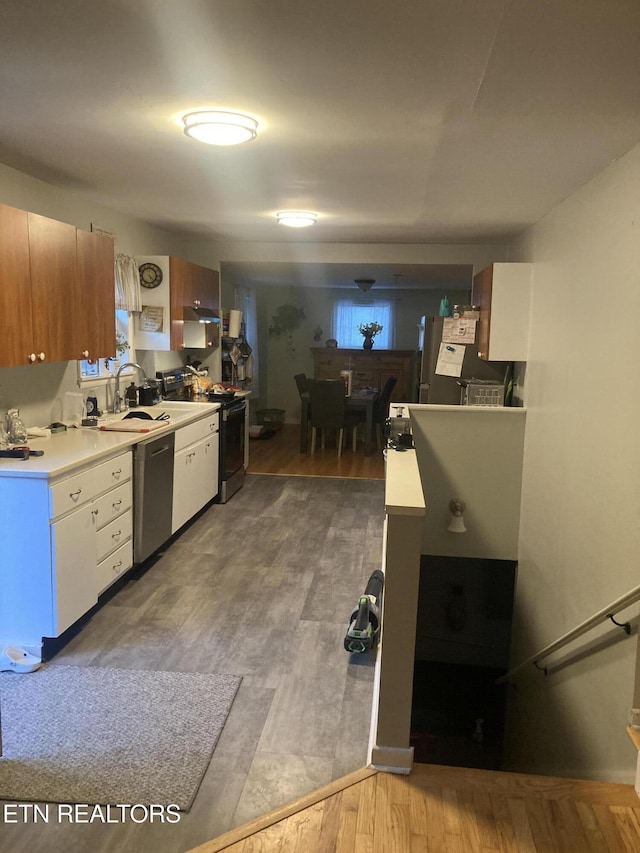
x,y
235,318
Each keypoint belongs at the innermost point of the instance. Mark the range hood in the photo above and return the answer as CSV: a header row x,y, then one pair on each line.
x,y
199,314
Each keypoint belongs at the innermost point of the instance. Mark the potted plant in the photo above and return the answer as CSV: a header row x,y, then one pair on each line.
x,y
369,331
122,345
286,319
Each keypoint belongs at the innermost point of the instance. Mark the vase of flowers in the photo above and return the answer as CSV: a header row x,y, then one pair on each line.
x,y
369,331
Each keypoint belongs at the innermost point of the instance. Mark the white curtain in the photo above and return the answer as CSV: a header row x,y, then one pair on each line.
x,y
127,289
348,314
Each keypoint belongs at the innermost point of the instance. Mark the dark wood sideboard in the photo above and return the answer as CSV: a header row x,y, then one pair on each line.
x,y
371,368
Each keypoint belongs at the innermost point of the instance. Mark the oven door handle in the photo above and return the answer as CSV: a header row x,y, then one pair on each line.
x,y
234,410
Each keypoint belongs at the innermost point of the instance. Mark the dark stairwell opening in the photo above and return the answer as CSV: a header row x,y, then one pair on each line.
x,y
462,646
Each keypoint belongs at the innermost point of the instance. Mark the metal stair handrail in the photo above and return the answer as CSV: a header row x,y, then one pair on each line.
x,y
606,613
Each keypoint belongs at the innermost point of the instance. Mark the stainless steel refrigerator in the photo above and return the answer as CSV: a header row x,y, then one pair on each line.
x,y
434,388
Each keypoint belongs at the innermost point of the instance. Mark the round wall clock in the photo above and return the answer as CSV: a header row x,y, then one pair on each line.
x,y
150,275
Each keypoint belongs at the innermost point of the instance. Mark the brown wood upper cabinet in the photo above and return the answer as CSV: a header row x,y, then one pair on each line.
x,y
181,284
192,284
371,368
95,320
502,292
53,293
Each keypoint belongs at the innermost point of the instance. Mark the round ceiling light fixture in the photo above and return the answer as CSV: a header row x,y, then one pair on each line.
x,y
365,283
296,218
220,127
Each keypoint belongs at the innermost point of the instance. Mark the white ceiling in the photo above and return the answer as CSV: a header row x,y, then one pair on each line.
x,y
412,122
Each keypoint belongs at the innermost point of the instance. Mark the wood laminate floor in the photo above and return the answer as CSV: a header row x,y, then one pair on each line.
x,y
281,455
449,810
261,587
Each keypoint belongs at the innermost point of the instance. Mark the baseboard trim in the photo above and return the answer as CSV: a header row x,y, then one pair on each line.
x,y
233,836
392,759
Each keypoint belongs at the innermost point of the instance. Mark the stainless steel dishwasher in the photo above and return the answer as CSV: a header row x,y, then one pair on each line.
x,y
152,495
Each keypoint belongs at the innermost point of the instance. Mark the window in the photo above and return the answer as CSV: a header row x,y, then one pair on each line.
x,y
348,314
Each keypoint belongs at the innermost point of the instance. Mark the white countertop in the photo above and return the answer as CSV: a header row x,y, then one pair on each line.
x,y
82,446
403,487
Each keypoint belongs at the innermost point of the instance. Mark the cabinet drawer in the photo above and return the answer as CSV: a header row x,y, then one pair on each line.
x,y
113,504
116,533
72,492
194,432
82,487
110,569
362,378
113,472
392,364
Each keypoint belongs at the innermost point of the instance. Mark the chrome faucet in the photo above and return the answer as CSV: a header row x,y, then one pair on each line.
x,y
117,398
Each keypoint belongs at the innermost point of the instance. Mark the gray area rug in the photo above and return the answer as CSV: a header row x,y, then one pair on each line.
x,y
107,736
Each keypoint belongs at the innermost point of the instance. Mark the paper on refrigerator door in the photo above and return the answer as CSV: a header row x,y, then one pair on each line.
x,y
450,358
459,330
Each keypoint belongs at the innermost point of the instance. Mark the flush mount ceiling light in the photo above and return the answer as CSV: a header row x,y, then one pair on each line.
x,y
220,127
365,283
296,218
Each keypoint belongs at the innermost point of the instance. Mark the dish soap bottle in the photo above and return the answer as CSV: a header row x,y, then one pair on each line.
x,y
131,395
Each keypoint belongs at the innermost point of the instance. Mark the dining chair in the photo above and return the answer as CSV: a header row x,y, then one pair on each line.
x,y
302,383
328,409
379,415
381,408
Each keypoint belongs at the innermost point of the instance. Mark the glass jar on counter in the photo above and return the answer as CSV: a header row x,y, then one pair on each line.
x,y
16,430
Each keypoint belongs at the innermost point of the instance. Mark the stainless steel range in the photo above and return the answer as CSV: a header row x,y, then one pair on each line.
x,y
232,439
233,413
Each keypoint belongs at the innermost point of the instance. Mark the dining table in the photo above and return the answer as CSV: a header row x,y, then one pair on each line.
x,y
357,401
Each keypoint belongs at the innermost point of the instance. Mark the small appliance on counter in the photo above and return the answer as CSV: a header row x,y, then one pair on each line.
x,y
149,393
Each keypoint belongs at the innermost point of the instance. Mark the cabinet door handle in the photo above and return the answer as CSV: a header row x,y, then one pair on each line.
x,y
85,353
116,504
31,357
74,495
41,356
95,511
116,534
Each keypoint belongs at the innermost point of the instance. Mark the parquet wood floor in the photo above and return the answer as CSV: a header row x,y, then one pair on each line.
x,y
448,810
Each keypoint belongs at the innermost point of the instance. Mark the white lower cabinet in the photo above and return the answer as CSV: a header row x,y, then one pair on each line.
x,y
83,539
73,588
195,472
57,540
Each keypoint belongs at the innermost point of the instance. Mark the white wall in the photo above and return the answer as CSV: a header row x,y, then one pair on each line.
x,y
473,453
34,388
580,514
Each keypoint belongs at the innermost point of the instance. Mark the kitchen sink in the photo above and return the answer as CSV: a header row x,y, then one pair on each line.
x,y
176,411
